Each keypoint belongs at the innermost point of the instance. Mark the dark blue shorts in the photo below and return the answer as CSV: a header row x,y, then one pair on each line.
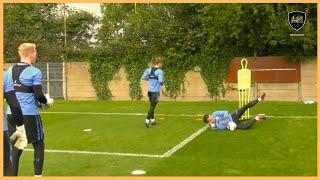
x,y
33,125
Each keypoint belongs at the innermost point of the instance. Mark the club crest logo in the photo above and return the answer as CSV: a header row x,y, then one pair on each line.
x,y
297,19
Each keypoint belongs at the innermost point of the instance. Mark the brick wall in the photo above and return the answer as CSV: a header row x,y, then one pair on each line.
x,y
78,82
79,86
309,81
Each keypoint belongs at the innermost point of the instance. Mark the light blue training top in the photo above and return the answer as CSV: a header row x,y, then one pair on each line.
x,y
154,84
30,76
222,118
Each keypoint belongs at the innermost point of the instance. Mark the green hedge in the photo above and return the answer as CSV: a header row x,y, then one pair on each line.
x,y
190,35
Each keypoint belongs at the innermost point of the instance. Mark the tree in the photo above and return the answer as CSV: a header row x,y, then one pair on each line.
x,y
31,23
42,24
81,32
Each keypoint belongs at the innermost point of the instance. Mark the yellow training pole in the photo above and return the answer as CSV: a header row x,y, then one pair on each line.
x,y
246,94
242,99
239,98
245,102
244,85
248,98
249,93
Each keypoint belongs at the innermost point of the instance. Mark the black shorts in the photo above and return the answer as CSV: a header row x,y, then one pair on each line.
x,y
154,96
33,125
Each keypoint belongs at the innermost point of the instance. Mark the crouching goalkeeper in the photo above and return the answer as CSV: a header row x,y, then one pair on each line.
x,y
224,120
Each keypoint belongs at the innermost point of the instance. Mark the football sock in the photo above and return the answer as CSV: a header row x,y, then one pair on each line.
x,y
38,157
16,153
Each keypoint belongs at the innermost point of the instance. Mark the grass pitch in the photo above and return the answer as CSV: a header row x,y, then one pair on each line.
x,y
118,143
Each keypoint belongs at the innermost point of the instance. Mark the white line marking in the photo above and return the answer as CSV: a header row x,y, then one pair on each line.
x,y
100,153
280,69
184,142
143,114
164,155
124,114
292,117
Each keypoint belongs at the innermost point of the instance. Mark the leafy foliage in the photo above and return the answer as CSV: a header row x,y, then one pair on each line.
x,y
42,24
203,35
31,23
207,36
102,67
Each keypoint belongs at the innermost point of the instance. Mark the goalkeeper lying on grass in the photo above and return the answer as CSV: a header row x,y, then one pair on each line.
x,y
224,120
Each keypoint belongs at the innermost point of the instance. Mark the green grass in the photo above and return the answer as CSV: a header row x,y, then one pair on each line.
x,y
275,147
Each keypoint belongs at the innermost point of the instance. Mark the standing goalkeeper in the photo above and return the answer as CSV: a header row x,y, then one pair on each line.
x,y
154,76
27,81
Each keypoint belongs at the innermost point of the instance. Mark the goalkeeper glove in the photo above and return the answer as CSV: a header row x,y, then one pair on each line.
x,y
45,106
212,125
20,137
49,102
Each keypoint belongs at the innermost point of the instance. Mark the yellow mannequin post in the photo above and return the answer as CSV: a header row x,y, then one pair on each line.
x,y
244,85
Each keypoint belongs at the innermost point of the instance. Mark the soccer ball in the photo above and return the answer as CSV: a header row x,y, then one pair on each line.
x,y
231,126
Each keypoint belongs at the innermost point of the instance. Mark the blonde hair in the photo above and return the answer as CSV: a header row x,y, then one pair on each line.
x,y
24,48
157,60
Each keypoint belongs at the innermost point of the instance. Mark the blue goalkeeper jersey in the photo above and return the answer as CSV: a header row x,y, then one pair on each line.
x,y
154,83
30,76
7,86
222,118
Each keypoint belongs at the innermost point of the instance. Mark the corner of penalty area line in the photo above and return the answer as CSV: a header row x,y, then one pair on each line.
x,y
166,154
185,142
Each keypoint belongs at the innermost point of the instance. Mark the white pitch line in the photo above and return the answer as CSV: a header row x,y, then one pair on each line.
x,y
143,114
100,153
280,69
106,113
184,142
164,155
292,117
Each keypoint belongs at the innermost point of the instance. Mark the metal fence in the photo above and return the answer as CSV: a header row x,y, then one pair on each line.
x,y
53,79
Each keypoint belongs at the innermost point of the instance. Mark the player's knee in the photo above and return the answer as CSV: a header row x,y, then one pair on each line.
x,y
153,104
